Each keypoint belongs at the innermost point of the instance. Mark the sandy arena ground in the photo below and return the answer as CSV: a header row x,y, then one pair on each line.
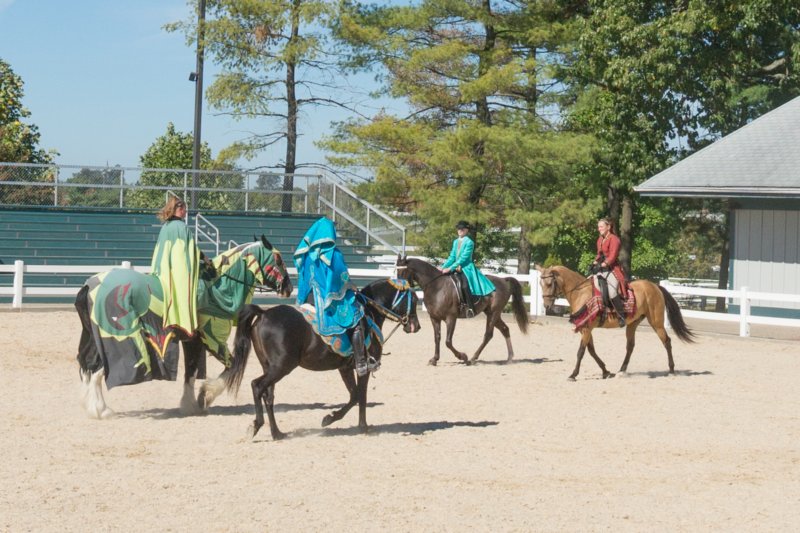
x,y
490,447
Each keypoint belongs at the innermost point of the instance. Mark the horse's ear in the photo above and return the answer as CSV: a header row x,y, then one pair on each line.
x,y
266,243
538,268
254,237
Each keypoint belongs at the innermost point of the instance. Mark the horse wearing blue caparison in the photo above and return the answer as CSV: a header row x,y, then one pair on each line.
x,y
123,334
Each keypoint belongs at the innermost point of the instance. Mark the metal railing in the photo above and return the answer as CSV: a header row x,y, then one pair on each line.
x,y
73,186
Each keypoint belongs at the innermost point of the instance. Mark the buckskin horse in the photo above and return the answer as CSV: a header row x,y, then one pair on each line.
x,y
651,303
284,340
441,302
123,340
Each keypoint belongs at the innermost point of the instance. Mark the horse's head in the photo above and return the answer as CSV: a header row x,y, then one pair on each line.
x,y
273,269
404,271
549,282
397,300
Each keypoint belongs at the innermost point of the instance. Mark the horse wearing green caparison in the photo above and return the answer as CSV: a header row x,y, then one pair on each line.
x,y
124,341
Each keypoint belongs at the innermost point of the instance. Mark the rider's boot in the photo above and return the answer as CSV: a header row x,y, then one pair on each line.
x,y
363,362
619,307
467,310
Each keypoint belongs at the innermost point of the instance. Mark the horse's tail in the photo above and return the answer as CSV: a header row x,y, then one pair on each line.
x,y
676,318
89,360
241,346
518,304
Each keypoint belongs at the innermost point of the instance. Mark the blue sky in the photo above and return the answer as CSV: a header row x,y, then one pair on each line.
x,y
103,79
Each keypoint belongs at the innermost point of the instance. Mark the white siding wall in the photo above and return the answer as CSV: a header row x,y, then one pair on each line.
x,y
766,253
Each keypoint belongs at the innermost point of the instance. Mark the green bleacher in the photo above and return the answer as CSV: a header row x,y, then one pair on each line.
x,y
61,237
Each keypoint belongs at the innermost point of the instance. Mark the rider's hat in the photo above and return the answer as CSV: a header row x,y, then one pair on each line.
x,y
462,224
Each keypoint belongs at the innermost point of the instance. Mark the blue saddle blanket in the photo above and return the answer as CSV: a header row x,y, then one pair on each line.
x,y
340,342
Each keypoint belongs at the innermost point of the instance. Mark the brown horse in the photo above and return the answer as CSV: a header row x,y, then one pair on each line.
x,y
441,302
651,302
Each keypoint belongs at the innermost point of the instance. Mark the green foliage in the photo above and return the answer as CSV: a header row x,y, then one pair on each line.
x,y
18,140
92,196
173,150
19,144
478,146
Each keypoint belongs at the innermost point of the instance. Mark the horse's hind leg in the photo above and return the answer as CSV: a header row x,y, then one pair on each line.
x,y
657,323
93,400
667,342
630,335
491,321
264,389
350,383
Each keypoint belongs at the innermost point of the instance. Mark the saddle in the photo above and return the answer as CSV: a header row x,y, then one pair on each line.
x,y
466,301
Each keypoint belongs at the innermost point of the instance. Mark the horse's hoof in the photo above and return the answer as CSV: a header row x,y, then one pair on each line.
x,y
432,362
107,413
251,432
201,401
278,435
622,374
327,421
608,375
571,378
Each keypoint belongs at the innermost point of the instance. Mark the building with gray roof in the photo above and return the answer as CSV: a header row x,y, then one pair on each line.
x,y
757,167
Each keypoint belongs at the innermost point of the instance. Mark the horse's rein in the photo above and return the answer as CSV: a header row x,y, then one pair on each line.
x,y
390,314
256,286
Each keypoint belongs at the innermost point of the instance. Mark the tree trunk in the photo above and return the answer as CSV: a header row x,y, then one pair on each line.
x,y
524,254
626,233
724,260
291,116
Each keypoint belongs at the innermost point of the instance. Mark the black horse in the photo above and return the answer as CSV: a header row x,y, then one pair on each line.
x,y
284,340
441,302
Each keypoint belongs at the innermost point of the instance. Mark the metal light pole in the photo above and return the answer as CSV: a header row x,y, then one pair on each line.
x,y
197,78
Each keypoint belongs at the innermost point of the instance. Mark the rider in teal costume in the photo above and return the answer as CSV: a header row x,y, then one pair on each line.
x,y
460,261
323,278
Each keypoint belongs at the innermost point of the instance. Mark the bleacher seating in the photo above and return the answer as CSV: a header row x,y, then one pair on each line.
x,y
60,237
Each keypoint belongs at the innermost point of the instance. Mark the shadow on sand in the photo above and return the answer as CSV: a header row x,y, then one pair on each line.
x,y
399,428
230,410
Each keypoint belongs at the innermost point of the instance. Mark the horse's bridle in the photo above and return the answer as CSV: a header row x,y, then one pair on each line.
x,y
401,320
575,288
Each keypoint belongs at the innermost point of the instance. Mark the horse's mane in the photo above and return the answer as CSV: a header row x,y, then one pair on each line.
x,y
424,266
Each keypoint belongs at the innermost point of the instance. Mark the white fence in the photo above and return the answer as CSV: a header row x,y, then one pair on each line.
x,y
19,290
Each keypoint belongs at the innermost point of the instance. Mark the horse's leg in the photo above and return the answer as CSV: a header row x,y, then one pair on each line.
x,y
488,332
264,389
593,353
667,342
630,335
437,339
349,382
191,359
93,400
361,392
448,341
211,389
656,321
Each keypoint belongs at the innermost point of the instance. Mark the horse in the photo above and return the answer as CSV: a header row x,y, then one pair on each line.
x,y
652,301
284,340
123,340
441,302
